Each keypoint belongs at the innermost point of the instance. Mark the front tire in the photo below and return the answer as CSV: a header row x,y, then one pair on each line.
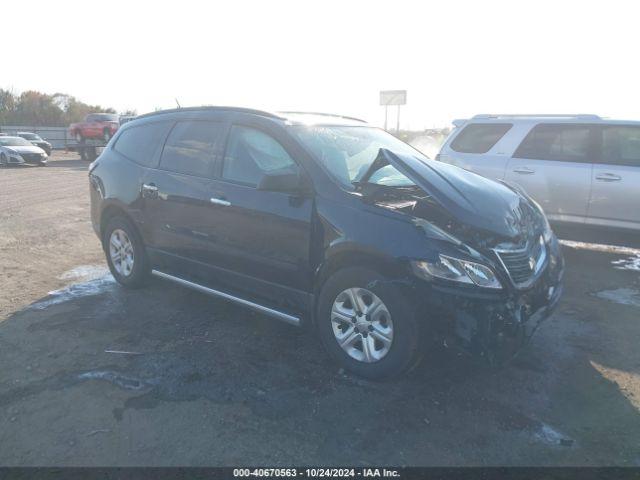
x,y
126,254
367,324
4,160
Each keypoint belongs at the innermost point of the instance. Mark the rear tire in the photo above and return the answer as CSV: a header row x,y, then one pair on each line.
x,y
90,154
125,252
388,324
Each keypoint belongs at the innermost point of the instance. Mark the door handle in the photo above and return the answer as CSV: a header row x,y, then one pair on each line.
x,y
220,201
149,190
524,170
608,177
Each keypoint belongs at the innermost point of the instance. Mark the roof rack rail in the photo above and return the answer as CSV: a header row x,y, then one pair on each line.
x,y
211,108
325,115
540,115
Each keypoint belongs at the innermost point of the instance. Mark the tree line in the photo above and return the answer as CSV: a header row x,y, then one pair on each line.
x,y
37,109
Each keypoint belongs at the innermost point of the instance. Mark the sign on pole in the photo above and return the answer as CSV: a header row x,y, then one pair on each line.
x,y
392,97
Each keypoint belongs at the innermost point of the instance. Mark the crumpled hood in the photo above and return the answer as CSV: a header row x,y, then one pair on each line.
x,y
471,199
25,149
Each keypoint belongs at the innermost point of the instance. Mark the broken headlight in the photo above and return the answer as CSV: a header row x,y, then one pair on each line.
x,y
457,270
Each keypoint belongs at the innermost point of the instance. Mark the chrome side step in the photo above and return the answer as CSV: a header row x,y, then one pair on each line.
x,y
241,301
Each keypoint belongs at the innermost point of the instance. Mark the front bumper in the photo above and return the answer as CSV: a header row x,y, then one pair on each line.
x,y
492,325
34,159
14,160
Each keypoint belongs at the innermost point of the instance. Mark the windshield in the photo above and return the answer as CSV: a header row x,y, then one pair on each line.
x,y
347,152
30,136
13,142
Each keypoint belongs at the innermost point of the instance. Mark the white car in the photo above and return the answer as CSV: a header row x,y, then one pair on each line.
x,y
581,169
17,150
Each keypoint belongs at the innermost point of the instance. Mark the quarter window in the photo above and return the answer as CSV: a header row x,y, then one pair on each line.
x,y
621,145
565,143
141,144
190,148
479,137
251,154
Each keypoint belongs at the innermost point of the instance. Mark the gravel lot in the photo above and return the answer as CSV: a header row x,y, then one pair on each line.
x,y
209,383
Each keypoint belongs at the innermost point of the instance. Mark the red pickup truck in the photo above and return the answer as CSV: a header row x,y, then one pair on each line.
x,y
95,126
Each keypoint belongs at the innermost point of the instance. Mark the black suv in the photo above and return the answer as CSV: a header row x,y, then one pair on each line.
x,y
37,140
325,221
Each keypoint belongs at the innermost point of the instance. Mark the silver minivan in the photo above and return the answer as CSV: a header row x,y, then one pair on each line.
x,y
581,169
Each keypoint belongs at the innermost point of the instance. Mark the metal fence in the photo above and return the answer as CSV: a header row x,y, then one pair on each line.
x,y
58,137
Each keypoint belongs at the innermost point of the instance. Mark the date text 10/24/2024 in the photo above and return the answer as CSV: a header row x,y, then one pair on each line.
x,y
316,472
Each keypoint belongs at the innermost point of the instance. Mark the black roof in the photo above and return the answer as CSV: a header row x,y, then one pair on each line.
x,y
263,113
211,109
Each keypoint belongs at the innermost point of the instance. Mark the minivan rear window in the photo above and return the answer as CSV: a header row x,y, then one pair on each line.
x,y
479,137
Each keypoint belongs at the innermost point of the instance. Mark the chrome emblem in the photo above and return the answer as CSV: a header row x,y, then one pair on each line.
x,y
532,263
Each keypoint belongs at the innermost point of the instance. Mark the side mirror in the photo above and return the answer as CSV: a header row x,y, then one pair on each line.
x,y
286,182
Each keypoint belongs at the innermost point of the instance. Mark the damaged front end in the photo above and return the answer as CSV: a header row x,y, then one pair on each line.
x,y
495,326
492,270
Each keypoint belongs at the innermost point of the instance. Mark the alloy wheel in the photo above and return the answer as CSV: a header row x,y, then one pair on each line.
x,y
121,252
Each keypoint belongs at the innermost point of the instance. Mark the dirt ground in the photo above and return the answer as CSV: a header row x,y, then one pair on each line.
x,y
208,383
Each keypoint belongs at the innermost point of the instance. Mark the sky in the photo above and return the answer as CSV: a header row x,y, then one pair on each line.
x,y
455,58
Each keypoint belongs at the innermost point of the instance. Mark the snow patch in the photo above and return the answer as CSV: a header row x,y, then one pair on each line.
x,y
118,379
85,272
90,280
623,296
547,434
597,247
631,263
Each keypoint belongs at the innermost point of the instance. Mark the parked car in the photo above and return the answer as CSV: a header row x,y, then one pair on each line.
x,y
17,150
325,221
36,140
101,126
582,169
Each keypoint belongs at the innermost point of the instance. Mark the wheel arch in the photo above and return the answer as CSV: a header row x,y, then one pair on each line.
x,y
111,211
354,257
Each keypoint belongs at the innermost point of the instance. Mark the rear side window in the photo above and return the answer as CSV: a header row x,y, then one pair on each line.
x,y
621,145
479,137
141,144
565,143
190,148
252,153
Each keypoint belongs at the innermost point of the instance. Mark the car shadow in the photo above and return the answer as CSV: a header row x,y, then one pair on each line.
x,y
16,166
